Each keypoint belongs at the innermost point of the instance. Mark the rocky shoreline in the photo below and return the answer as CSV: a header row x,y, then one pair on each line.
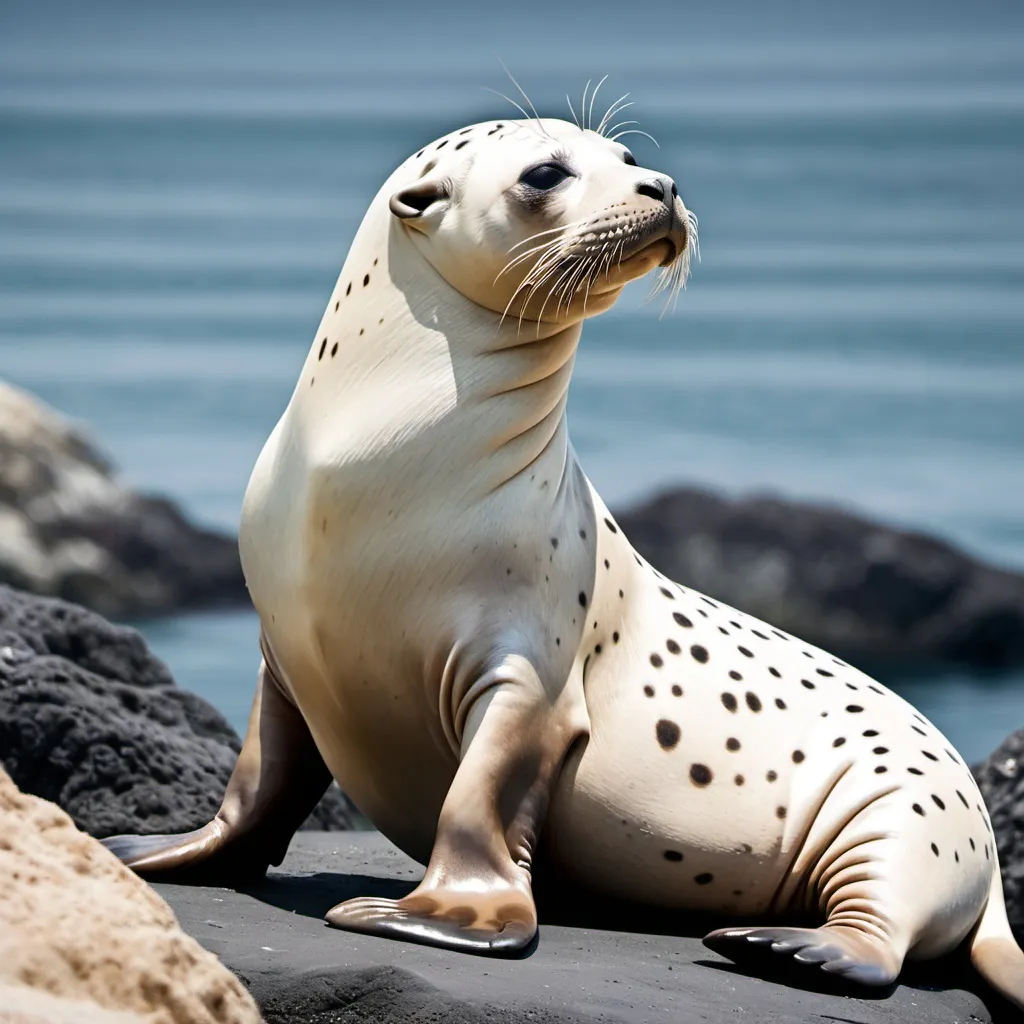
x,y
71,528
91,721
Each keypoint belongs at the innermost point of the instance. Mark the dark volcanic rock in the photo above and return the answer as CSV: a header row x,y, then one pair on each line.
x,y
1001,779
855,587
69,528
92,721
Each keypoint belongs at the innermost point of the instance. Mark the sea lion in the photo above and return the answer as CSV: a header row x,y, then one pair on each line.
x,y
455,628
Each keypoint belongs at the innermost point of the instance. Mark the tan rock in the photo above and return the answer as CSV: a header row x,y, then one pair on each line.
x,y
75,925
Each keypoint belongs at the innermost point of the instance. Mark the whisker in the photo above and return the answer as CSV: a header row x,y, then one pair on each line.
x,y
572,110
583,105
610,113
621,124
522,93
509,99
590,112
636,131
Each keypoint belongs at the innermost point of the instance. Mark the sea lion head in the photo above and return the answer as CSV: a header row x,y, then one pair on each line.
x,y
540,219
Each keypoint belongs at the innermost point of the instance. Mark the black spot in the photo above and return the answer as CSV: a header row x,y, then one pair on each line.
x,y
771,776
554,543
938,803
673,855
700,611
729,700
707,600
775,672
597,648
739,780
334,350
823,672
781,636
336,305
918,809
735,624
735,675
700,774
986,852
915,771
699,653
745,652
838,741
956,856
780,703
677,690
753,701
963,799
420,153
607,564
649,690
881,769
672,647
668,593
850,686
931,757
621,594
348,290
366,280
935,850
323,348
869,733
723,631
705,879
611,526
732,744
952,756
807,683
583,534
464,142
759,635
667,733
918,730
583,599
873,689
854,709
798,756
441,145
656,660
780,813
880,750
682,620
807,654
615,638
973,847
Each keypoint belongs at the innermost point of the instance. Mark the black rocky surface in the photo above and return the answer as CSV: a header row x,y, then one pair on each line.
x,y
91,720
588,965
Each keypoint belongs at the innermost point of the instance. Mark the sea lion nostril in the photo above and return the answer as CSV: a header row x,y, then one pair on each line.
x,y
675,191
652,188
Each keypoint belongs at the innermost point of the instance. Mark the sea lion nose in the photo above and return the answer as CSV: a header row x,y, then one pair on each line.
x,y
659,187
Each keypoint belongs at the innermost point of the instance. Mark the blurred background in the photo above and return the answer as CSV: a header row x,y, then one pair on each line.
x,y
179,186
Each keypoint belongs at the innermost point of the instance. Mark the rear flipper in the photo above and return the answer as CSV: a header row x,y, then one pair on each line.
x,y
838,950
994,953
277,781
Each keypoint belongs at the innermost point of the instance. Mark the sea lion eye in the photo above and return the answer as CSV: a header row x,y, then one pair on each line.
x,y
628,158
545,177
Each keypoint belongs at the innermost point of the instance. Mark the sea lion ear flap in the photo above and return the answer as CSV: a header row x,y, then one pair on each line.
x,y
413,202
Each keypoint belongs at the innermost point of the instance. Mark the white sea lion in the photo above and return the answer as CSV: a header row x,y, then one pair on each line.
x,y
456,630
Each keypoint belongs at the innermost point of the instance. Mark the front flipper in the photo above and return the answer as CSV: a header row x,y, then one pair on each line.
x,y
476,895
277,781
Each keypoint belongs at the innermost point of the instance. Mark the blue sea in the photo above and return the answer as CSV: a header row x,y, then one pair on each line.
x,y
179,186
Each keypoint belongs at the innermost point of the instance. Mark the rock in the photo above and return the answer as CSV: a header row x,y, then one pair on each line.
x,y
77,925
70,528
858,588
589,965
1001,779
91,720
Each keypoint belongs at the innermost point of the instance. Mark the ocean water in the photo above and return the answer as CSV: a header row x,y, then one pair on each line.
x,y
178,188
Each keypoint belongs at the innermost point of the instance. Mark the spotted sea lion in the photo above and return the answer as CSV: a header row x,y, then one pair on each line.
x,y
456,629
